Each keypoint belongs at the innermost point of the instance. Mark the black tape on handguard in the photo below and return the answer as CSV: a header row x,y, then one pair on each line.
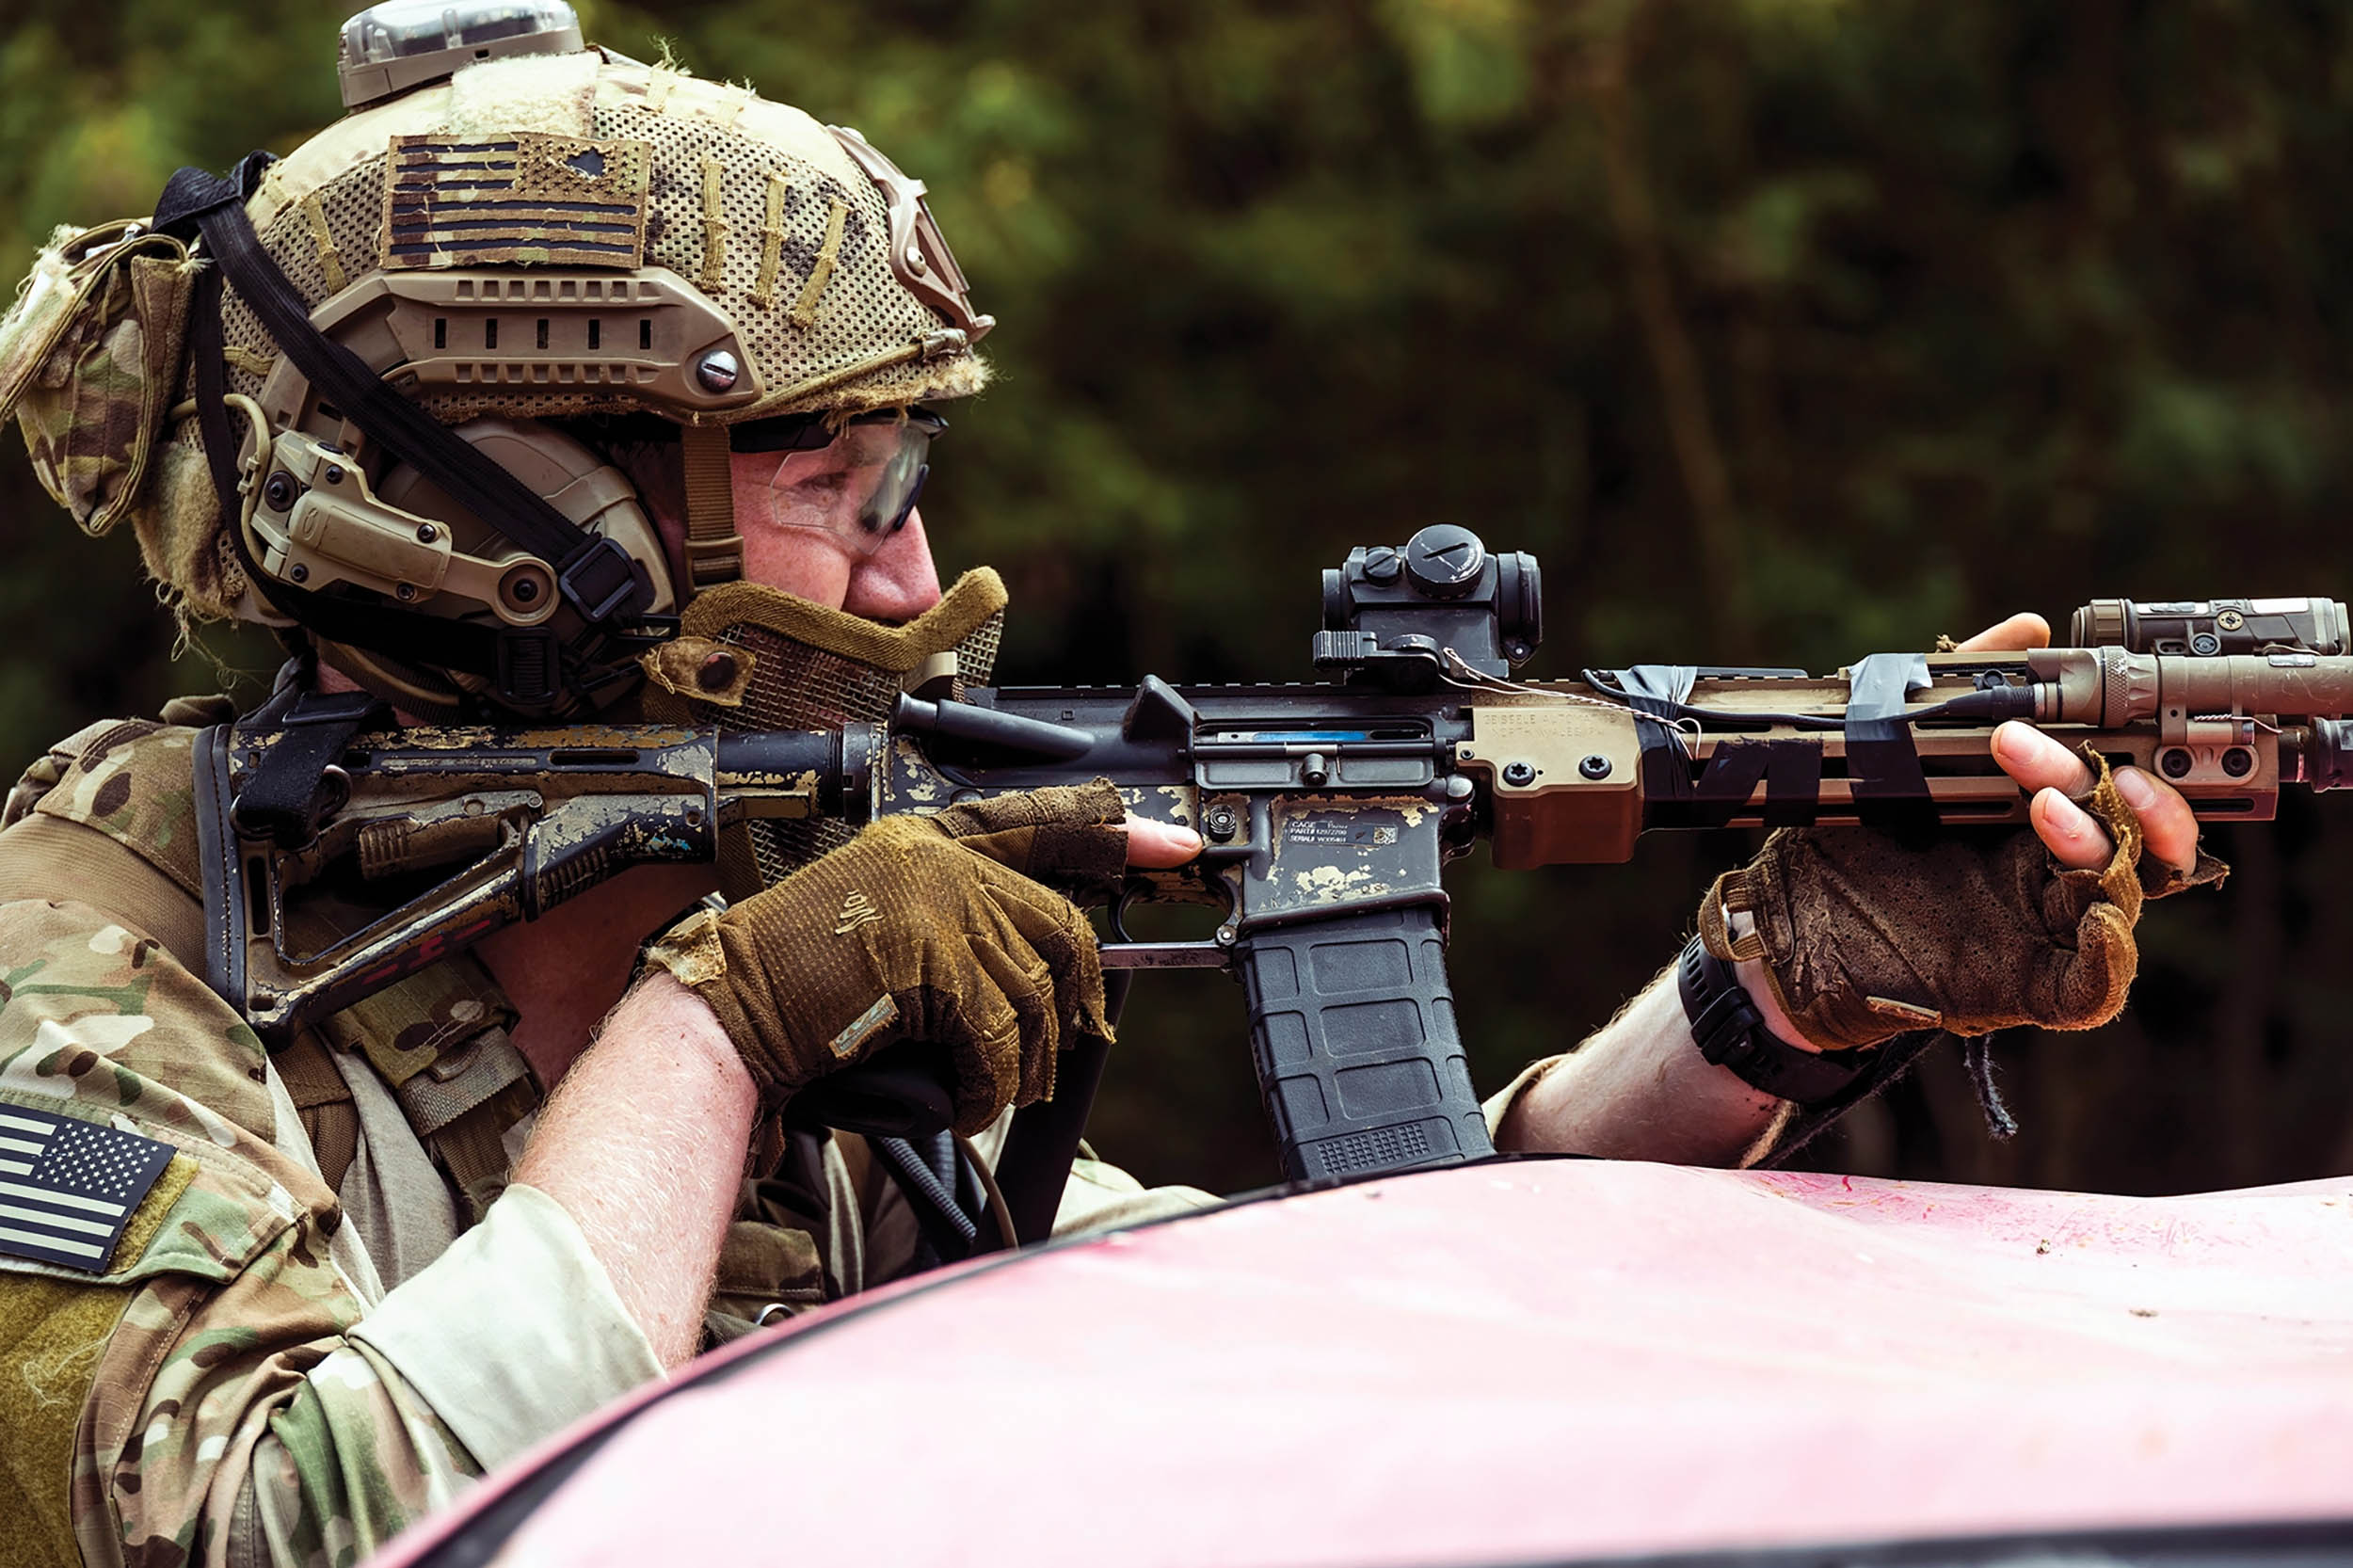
x,y
1890,789
1793,783
1653,692
1791,772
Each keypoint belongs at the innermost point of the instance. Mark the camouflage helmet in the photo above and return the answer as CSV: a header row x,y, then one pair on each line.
x,y
508,230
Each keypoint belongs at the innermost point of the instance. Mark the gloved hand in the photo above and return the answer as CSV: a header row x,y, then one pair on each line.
x,y
1864,937
923,928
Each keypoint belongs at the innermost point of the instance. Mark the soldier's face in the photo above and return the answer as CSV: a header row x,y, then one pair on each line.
x,y
891,578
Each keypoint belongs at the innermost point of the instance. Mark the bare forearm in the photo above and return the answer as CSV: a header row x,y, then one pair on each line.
x,y
643,1144
1637,1089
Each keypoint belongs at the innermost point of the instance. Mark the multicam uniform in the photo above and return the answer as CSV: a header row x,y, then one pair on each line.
x,y
282,1362
324,1308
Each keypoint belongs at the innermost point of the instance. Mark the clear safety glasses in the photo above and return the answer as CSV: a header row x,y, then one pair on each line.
x,y
857,480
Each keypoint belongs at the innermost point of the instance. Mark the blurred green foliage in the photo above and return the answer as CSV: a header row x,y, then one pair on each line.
x,y
1783,329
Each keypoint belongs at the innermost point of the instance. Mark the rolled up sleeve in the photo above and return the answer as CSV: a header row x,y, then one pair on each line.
x,y
514,1333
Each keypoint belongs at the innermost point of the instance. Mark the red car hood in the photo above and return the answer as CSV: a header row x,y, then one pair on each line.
x,y
1523,1361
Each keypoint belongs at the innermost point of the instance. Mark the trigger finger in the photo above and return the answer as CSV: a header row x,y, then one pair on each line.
x,y
1159,846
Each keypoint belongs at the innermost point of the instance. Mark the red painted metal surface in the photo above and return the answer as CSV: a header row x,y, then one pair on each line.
x,y
1535,1361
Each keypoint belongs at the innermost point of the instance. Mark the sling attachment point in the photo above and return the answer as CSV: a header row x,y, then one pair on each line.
x,y
293,787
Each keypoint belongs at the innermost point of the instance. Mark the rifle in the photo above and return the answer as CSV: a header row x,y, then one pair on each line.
x,y
1327,809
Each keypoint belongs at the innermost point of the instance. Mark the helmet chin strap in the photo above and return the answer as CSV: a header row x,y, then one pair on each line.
x,y
714,550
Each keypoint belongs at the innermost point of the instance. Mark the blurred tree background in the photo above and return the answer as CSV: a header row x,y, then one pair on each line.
x,y
1780,329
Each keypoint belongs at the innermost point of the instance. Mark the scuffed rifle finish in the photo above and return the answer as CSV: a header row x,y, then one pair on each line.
x,y
1327,810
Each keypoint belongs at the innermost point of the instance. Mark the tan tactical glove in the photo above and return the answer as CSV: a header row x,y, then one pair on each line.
x,y
923,928
1864,938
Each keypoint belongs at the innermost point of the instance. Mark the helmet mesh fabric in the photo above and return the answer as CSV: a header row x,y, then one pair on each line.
x,y
862,307
354,206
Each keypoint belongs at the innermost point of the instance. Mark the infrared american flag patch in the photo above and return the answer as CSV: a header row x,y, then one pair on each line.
x,y
555,200
68,1187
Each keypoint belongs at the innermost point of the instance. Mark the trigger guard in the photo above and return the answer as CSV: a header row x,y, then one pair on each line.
x,y
1136,889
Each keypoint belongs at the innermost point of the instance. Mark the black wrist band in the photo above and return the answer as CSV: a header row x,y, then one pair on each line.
x,y
1730,1032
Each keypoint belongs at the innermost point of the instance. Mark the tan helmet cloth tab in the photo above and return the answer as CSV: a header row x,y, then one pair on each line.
x,y
763,295
714,550
248,363
331,258
715,225
804,309
552,201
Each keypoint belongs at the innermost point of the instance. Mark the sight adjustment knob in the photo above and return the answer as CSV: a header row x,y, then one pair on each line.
x,y
1444,560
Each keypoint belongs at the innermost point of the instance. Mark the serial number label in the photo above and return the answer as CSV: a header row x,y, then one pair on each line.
x,y
1335,833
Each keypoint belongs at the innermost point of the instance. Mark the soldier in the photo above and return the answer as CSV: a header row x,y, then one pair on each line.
x,y
463,396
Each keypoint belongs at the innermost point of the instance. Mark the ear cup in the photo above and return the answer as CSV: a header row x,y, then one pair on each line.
x,y
579,483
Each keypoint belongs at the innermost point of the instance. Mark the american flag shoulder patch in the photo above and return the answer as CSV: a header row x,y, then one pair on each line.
x,y
68,1187
529,197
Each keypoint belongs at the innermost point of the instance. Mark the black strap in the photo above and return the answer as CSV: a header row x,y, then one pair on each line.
x,y
1729,1031
286,794
223,868
596,575
1035,1166
1883,1065
420,639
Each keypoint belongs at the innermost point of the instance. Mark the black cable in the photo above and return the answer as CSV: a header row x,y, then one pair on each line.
x,y
1993,703
947,1230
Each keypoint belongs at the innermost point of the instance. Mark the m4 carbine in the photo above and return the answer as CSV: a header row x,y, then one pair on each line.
x,y
1327,810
